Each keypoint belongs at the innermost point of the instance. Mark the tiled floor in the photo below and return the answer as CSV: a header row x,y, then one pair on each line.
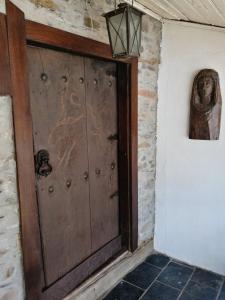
x,y
161,278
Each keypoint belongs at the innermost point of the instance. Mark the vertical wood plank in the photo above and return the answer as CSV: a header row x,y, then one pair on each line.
x,y
133,152
101,104
4,59
123,149
24,151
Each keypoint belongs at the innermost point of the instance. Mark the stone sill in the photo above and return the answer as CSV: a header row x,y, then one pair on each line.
x,y
99,284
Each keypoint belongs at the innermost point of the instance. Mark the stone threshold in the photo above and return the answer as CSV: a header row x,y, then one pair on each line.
x,y
100,283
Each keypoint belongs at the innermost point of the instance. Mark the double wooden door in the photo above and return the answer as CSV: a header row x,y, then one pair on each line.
x,y
74,115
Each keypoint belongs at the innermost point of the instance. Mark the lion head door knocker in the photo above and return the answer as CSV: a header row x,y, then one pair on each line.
x,y
42,166
206,102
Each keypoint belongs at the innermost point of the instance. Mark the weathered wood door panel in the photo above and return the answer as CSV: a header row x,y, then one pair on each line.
x,y
101,95
74,115
57,94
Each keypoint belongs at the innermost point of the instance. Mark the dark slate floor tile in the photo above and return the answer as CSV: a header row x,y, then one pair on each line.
x,y
197,291
159,291
222,293
175,275
124,291
158,260
143,275
207,278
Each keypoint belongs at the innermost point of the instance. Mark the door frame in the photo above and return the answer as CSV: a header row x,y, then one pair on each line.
x,y
20,33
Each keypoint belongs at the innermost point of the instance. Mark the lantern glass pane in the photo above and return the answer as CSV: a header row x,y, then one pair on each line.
x,y
118,33
135,33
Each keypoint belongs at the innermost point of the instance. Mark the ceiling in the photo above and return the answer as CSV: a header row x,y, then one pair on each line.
x,y
210,12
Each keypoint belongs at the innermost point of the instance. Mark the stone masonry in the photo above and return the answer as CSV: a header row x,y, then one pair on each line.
x,y
82,17
11,278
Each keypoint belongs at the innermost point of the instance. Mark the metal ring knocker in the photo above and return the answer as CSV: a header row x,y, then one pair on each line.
x,y
42,166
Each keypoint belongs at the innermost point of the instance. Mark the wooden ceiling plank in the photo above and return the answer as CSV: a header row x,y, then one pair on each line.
x,y
157,8
213,13
195,7
145,9
187,9
213,5
164,7
220,6
174,8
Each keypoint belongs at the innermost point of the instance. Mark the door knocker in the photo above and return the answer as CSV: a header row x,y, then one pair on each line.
x,y
42,166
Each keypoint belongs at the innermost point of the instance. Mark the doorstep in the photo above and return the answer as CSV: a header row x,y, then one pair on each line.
x,y
100,283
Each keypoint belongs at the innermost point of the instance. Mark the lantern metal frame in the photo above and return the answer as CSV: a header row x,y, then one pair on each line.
x,y
127,10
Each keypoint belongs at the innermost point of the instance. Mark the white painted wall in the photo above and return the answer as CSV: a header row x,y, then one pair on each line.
x,y
190,180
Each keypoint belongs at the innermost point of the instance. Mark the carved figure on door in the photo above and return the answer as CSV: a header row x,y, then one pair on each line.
x,y
206,102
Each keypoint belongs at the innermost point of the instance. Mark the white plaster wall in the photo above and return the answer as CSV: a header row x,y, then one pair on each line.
x,y
190,180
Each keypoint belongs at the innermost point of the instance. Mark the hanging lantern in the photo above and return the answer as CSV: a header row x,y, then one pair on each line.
x,y
124,29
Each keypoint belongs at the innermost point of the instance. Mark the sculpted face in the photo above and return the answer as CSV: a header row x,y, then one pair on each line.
x,y
205,88
205,112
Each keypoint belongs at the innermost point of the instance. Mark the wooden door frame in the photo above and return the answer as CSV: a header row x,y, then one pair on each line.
x,y
21,33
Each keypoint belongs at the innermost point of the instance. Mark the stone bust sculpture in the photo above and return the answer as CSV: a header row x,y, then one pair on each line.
x,y
206,102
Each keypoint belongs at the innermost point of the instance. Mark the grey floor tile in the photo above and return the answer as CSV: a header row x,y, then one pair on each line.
x,y
159,291
165,279
222,293
175,275
158,260
207,278
143,275
196,291
124,291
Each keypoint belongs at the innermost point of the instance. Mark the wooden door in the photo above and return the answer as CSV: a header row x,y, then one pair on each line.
x,y
57,94
69,220
102,131
74,116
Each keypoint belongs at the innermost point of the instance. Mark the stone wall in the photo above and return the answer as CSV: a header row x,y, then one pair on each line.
x,y
11,279
83,18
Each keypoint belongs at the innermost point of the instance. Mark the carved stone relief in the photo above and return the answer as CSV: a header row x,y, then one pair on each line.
x,y
206,102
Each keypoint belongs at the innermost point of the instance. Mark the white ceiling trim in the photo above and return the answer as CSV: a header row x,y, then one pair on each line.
x,y
195,25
